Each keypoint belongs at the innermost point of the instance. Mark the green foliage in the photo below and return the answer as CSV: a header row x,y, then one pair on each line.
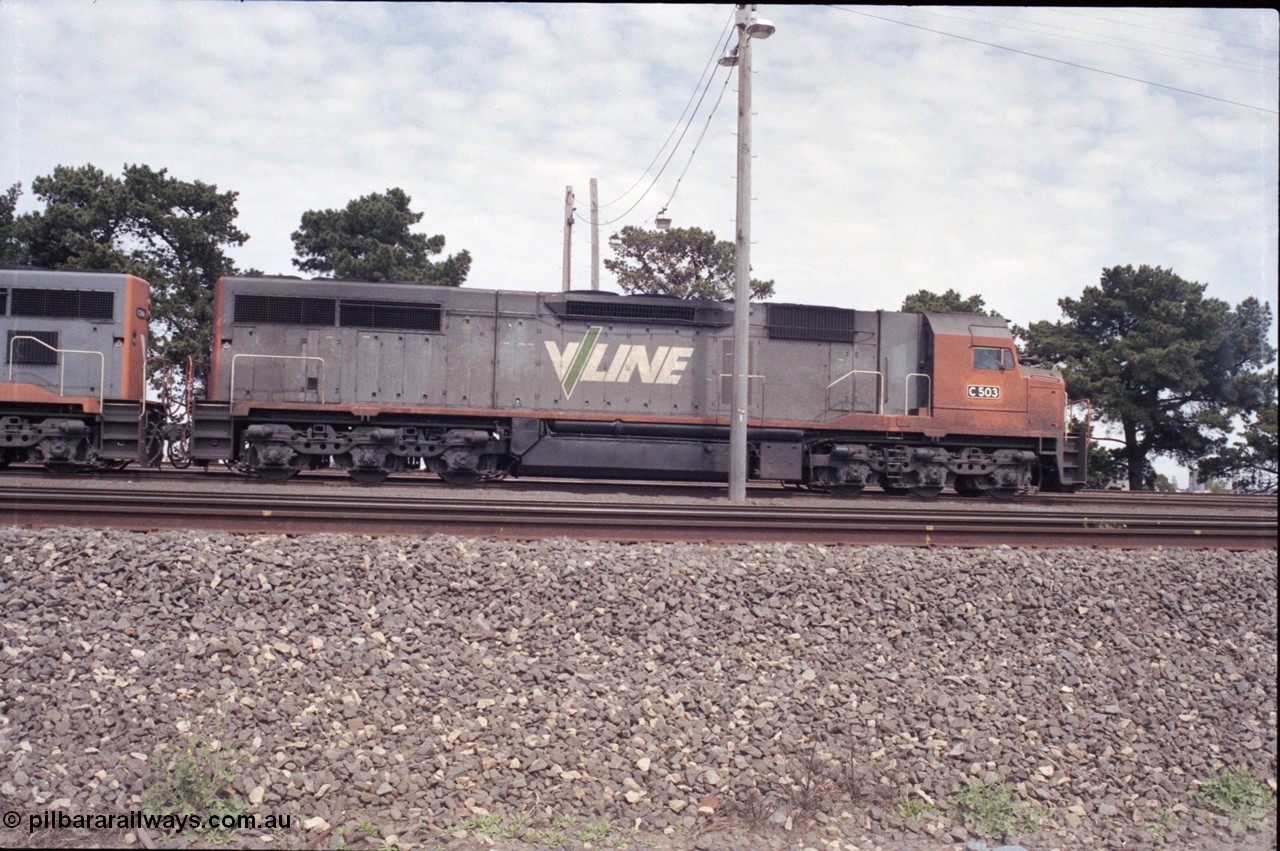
x,y
196,781
593,831
1251,465
1159,824
913,809
172,232
992,811
684,262
1156,356
369,240
1237,795
1107,466
12,251
924,301
518,828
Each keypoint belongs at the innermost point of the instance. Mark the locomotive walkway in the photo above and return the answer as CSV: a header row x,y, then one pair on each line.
x,y
251,506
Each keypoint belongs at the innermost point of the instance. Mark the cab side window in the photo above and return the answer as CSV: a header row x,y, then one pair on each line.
x,y
984,358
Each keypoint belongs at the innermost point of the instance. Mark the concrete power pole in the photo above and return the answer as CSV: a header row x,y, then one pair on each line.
x,y
568,236
741,275
595,237
748,28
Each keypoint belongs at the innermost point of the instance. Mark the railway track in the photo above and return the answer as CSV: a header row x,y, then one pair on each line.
x,y
257,507
428,484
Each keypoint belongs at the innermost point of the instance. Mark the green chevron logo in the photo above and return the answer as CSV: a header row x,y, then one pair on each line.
x,y
586,361
569,379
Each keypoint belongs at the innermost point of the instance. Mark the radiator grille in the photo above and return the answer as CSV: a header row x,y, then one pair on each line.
x,y
64,304
803,322
625,311
31,353
284,310
391,315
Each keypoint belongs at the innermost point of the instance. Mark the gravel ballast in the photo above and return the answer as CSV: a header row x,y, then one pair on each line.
x,y
415,684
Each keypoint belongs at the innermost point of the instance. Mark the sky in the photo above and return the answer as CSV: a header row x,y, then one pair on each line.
x,y
1011,153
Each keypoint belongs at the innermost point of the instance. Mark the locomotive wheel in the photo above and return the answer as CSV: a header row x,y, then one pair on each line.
x,y
925,491
965,486
895,490
368,475
846,490
275,474
62,468
1002,493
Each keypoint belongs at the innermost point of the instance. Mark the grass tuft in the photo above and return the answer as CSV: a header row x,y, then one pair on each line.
x,y
1237,795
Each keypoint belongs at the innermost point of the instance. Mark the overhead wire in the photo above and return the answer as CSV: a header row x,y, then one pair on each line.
x,y
1236,33
1059,61
701,136
709,67
1105,40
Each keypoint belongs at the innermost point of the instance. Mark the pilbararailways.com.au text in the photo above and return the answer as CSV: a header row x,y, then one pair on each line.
x,y
134,819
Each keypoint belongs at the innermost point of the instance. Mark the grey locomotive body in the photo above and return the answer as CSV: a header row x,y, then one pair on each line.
x,y
73,386
477,384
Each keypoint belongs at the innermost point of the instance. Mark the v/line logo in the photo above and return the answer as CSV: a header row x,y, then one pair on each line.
x,y
586,361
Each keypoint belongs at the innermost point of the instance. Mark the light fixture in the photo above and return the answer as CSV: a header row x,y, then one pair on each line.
x,y
730,59
615,241
663,221
760,28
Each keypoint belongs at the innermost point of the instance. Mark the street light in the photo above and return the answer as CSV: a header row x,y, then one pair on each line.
x,y
749,27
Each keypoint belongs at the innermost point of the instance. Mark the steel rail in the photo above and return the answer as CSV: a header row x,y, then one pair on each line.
x,y
428,485
707,520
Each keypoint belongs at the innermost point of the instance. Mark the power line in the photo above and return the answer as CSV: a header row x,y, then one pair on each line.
x,y
671,155
710,66
1111,40
1059,61
701,136
1236,33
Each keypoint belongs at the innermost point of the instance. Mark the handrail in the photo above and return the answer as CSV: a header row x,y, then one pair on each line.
x,y
62,364
879,385
231,390
906,391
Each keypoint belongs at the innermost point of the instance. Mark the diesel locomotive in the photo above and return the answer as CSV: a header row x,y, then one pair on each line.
x,y
474,385
73,383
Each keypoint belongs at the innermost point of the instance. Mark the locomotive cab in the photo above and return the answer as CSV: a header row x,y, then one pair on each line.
x,y
73,386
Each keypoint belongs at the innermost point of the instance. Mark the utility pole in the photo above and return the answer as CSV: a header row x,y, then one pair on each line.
x,y
748,28
568,236
595,237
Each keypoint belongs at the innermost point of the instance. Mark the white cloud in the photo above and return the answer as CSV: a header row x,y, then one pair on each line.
x,y
889,158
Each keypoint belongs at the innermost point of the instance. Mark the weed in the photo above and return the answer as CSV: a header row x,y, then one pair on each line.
x,y
857,783
1157,826
913,809
752,808
367,828
494,826
992,812
196,781
591,832
812,791
1237,795
547,837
